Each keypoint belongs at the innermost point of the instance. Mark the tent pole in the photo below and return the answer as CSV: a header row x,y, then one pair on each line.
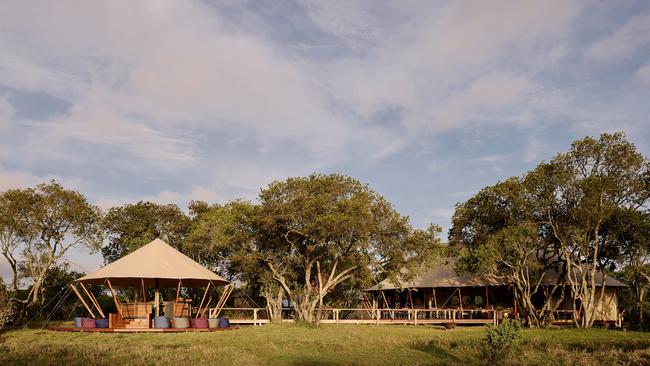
x,y
117,302
82,300
198,312
487,300
93,300
144,298
157,297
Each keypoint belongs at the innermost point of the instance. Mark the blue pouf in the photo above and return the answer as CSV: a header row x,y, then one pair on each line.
x,y
101,323
224,323
161,322
77,321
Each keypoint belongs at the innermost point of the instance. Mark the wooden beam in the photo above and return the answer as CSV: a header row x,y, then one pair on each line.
x,y
74,288
118,306
435,298
178,290
198,312
144,298
222,301
93,300
157,297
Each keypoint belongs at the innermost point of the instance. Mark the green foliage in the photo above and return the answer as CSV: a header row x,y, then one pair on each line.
x,y
500,340
575,209
327,229
42,224
7,311
131,226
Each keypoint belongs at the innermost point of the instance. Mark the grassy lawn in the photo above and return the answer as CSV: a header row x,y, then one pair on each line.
x,y
324,345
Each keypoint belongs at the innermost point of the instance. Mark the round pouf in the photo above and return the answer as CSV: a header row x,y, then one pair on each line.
x,y
88,323
77,321
181,323
101,323
200,323
224,323
213,323
161,322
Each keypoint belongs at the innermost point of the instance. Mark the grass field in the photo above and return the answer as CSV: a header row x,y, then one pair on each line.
x,y
324,345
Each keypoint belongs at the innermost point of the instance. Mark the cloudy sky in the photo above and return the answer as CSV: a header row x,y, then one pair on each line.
x,y
427,101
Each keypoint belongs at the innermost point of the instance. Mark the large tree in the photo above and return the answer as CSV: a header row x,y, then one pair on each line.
x,y
576,194
492,235
132,226
15,228
49,221
308,235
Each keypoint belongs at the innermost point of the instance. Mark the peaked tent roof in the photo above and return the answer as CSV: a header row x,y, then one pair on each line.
x,y
154,261
444,275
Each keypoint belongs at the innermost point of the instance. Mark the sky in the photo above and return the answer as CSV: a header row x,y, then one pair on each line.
x,y
426,101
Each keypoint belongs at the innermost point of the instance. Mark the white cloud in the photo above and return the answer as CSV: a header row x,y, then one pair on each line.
x,y
643,73
623,42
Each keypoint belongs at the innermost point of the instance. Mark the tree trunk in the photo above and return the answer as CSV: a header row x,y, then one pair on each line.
x,y
274,304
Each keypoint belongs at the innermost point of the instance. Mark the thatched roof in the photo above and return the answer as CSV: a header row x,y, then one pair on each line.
x,y
444,275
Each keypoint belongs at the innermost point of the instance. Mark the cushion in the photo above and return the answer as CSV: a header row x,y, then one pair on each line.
x,y
224,323
101,323
88,323
161,322
77,321
200,323
181,323
213,323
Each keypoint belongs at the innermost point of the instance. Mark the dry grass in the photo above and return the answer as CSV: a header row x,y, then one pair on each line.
x,y
325,345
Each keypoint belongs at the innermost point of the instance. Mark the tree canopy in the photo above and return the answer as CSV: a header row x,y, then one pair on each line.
x,y
309,235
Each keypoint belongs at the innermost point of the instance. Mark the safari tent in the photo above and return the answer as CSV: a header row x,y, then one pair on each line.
x,y
150,269
442,288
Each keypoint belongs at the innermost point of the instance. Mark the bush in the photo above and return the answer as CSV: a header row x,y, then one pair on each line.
x,y
6,307
499,341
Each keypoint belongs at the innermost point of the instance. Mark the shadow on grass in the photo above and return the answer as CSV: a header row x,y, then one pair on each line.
x,y
444,355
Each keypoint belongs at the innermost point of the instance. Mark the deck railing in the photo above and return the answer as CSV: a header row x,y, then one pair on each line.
x,y
258,316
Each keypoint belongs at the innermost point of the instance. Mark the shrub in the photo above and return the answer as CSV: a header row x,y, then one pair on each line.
x,y
499,341
6,307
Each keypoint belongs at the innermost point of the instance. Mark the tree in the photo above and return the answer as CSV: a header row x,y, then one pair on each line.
x,y
575,195
15,228
630,229
492,235
308,235
132,226
49,220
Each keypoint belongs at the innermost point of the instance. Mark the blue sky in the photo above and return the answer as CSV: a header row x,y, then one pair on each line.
x,y
426,101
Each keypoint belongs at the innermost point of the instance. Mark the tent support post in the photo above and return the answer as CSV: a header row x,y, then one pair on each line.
x,y
460,302
157,297
117,302
93,300
82,300
435,298
222,300
487,299
144,298
198,311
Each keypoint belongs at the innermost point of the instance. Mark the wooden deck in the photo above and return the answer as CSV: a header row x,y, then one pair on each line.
x,y
138,330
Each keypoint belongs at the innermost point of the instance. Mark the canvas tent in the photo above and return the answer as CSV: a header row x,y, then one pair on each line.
x,y
156,265
154,261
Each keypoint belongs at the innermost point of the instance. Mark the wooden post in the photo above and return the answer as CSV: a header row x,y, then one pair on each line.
x,y
487,298
117,302
198,312
336,315
460,303
255,317
378,315
144,298
93,300
82,300
494,316
157,297
435,299
415,319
